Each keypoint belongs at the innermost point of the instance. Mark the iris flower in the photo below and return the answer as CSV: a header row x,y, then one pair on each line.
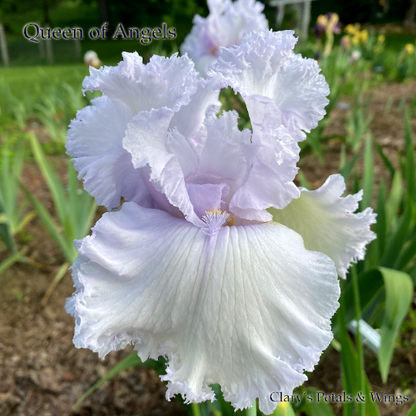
x,y
224,27
192,266
326,23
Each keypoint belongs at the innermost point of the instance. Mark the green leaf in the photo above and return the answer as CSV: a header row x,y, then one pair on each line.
x,y
381,227
370,284
54,184
385,160
302,180
75,208
58,277
10,210
65,245
5,264
407,254
394,199
371,408
399,292
130,361
86,224
347,168
396,241
221,405
74,199
342,157
412,411
286,409
368,176
252,411
5,233
349,357
410,158
311,407
314,140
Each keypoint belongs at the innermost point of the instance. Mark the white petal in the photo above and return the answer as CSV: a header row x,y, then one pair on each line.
x,y
147,140
207,196
263,188
265,64
224,26
184,151
95,143
249,308
204,103
203,64
327,222
272,158
252,67
163,82
223,154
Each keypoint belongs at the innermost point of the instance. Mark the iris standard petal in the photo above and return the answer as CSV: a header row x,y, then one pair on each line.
x,y
222,156
163,82
224,27
248,308
264,64
95,136
189,120
327,222
272,158
150,145
95,143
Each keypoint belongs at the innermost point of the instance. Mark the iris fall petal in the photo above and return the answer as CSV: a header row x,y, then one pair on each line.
x,y
327,222
248,308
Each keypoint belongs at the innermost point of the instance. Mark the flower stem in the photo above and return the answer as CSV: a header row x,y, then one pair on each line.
x,y
251,411
359,345
195,409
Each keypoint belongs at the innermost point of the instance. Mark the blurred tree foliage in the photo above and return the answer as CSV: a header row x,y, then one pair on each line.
x,y
176,13
91,13
364,11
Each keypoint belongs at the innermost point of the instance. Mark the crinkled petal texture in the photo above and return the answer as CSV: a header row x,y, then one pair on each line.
x,y
189,120
95,143
248,308
327,222
265,64
238,173
224,27
163,82
95,137
272,157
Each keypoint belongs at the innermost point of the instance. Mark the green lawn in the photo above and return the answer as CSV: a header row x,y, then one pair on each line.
x,y
23,81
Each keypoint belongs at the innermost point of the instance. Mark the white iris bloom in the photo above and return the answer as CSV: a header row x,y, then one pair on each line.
x,y
223,27
192,267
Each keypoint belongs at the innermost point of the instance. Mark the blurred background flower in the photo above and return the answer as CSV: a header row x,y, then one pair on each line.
x,y
410,48
223,27
91,59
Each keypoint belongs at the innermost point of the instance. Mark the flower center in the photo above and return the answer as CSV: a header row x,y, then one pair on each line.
x,y
215,219
214,51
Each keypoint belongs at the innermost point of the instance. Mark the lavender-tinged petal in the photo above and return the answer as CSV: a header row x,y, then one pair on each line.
x,y
225,26
147,142
163,82
189,120
95,143
264,64
206,197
